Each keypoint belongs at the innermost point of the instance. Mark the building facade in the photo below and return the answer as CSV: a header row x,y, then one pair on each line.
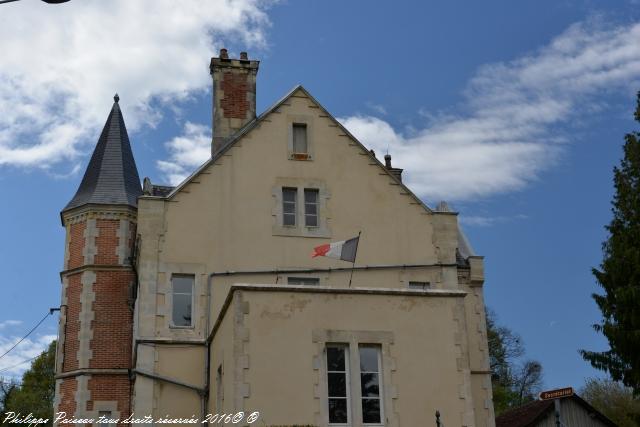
x,y
204,298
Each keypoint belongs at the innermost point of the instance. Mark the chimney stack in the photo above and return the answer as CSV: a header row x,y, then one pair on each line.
x,y
397,172
234,95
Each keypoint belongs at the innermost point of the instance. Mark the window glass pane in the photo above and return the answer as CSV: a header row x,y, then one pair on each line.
x,y
182,284
289,194
310,196
299,138
371,410
311,220
303,281
369,359
182,310
419,285
338,411
335,359
289,208
369,383
337,385
289,219
310,209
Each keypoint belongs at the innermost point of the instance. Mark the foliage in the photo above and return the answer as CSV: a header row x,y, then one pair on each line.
x,y
35,394
514,381
619,273
614,400
7,386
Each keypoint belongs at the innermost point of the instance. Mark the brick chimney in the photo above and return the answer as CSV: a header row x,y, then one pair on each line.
x,y
234,95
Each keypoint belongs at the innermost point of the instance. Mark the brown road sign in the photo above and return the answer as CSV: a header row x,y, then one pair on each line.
x,y
557,393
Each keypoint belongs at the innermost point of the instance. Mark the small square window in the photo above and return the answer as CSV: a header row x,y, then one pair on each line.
x,y
419,286
306,281
311,207
289,211
104,419
300,139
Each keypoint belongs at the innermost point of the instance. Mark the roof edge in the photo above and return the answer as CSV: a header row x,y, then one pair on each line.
x,y
253,123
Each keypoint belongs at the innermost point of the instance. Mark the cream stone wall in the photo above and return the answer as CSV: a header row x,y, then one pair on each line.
x,y
226,219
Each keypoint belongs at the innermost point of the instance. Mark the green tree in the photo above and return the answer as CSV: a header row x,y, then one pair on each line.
x,y
619,273
7,386
514,381
614,400
35,394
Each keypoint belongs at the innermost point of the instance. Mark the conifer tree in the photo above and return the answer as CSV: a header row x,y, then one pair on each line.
x,y
619,273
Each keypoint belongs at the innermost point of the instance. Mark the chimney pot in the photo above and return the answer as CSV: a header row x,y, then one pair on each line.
x,y
244,56
387,161
224,54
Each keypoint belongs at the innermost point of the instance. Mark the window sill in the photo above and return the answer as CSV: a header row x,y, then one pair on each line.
x,y
300,156
181,327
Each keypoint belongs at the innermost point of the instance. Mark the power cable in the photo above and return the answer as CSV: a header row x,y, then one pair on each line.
x,y
17,364
29,333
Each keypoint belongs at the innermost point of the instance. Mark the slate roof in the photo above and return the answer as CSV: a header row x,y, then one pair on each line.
x,y
111,177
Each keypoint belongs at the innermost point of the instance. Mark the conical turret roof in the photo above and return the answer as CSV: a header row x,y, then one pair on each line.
x,y
111,177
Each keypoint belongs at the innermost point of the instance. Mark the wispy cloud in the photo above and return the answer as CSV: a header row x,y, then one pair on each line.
x,y
489,221
26,350
187,152
508,132
10,323
61,65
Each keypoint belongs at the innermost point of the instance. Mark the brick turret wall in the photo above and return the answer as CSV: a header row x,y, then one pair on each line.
x,y
96,324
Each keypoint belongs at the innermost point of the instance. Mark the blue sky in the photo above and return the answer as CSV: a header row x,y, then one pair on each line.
x,y
514,112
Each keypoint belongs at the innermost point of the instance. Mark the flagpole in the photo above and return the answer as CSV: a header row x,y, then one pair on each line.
x,y
354,259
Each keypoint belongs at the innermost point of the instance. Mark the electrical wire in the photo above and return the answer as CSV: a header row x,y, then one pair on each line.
x,y
29,333
17,364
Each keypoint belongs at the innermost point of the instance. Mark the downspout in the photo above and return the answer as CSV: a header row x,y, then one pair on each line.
x,y
207,362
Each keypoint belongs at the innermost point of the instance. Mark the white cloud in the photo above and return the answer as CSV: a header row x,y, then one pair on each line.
x,y
187,152
489,221
26,350
60,66
508,133
9,323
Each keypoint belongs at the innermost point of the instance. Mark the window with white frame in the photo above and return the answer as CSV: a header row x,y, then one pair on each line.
x,y
365,377
300,207
370,384
311,200
338,384
289,202
300,145
182,296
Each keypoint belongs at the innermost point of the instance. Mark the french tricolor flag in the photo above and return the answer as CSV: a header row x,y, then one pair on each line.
x,y
344,250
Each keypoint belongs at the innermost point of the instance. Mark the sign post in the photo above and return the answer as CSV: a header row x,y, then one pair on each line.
x,y
556,395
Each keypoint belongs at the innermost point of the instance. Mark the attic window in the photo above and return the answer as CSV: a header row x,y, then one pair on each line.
x,y
419,286
303,281
300,146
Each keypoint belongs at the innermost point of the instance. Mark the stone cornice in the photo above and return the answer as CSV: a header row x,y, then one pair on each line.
x,y
95,267
93,371
85,212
